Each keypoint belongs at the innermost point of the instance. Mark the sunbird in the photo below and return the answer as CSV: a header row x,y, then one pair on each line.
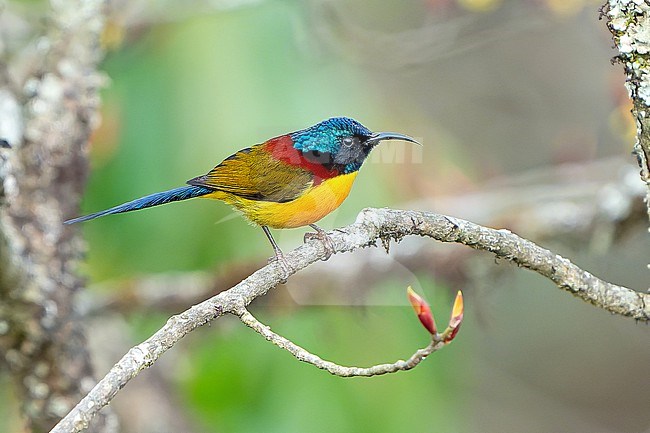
x,y
289,181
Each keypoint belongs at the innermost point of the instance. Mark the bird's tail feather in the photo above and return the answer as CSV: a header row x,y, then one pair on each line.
x,y
182,193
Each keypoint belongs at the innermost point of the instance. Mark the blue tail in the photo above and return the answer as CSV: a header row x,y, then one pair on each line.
x,y
182,193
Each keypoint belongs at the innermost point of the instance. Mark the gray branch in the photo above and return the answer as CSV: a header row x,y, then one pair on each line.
x,y
371,225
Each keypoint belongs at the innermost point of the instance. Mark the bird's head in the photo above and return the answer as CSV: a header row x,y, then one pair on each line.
x,y
341,143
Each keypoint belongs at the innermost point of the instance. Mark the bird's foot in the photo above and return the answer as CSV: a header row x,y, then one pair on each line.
x,y
285,269
325,239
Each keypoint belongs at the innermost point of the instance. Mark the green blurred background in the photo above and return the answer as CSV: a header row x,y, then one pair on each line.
x,y
492,88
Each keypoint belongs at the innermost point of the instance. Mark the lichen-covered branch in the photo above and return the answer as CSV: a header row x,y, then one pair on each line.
x,y
629,23
371,225
48,123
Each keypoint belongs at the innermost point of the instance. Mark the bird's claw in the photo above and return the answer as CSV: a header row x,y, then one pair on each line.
x,y
324,238
285,269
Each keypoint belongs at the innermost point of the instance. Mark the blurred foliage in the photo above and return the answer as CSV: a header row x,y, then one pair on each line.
x,y
255,387
189,92
185,96
493,87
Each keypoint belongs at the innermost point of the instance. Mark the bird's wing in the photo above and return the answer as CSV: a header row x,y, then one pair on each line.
x,y
255,174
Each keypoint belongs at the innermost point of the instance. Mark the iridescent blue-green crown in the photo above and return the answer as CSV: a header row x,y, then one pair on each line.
x,y
326,135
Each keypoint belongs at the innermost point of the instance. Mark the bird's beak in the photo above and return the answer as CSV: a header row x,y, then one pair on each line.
x,y
379,136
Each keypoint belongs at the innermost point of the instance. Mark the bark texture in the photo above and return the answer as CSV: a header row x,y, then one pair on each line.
x,y
47,119
372,225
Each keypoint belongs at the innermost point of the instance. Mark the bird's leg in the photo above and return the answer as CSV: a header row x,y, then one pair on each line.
x,y
322,236
279,256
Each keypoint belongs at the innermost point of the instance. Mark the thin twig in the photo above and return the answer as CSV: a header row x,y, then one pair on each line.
x,y
304,355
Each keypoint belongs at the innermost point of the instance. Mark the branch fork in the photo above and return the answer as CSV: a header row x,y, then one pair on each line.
x,y
371,225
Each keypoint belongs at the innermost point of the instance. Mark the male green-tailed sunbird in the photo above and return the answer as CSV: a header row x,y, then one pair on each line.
x,y
289,181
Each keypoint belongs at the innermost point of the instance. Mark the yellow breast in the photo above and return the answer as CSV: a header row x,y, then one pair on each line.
x,y
317,202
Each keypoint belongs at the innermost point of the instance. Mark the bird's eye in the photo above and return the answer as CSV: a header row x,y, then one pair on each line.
x,y
318,157
349,141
